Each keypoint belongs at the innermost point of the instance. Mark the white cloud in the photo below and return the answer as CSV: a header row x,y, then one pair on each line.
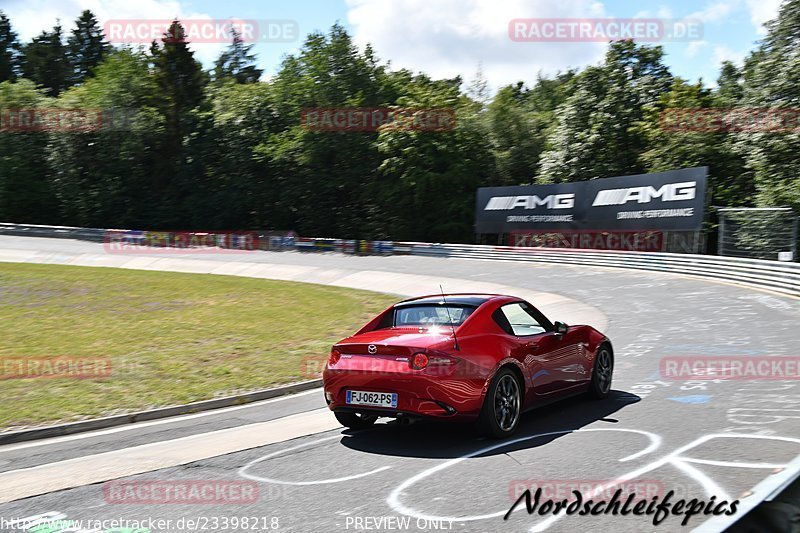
x,y
446,38
664,12
30,17
694,47
723,53
762,11
716,11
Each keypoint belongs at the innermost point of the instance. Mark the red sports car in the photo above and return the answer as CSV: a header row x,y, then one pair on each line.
x,y
467,357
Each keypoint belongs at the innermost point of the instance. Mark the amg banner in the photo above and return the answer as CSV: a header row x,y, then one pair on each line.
x,y
670,201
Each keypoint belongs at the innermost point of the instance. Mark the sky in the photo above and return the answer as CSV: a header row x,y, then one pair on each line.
x,y
442,38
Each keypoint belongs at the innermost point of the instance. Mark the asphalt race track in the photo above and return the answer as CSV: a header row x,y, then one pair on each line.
x,y
734,439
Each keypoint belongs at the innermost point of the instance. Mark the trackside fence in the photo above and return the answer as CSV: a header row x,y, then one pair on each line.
x,y
782,277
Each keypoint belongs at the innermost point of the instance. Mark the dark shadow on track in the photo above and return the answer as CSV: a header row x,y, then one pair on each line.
x,y
442,440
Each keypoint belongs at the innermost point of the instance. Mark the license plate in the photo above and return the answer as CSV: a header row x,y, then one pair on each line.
x,y
375,399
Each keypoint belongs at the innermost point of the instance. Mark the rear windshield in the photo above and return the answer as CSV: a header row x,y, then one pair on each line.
x,y
432,315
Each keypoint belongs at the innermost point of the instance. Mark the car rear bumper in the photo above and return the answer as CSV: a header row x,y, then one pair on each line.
x,y
417,395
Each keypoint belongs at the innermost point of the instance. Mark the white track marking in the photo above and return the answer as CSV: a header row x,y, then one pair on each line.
x,y
764,491
394,498
708,484
733,464
26,482
243,470
673,458
676,460
140,425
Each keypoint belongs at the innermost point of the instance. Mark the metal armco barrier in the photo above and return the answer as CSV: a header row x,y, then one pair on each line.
x,y
773,275
63,232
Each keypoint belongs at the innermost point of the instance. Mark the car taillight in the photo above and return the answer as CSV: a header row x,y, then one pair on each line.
x,y
419,361
334,358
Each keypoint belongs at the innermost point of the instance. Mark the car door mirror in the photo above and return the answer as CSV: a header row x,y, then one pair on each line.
x,y
560,328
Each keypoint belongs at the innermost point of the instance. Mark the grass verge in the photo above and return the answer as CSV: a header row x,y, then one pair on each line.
x,y
171,338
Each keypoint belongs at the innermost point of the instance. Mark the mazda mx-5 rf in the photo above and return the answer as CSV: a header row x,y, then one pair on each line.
x,y
484,358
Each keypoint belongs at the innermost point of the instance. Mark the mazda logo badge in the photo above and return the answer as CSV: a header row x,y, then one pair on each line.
x,y
372,348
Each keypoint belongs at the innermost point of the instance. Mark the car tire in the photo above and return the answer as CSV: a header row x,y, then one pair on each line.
x,y
502,407
602,373
355,420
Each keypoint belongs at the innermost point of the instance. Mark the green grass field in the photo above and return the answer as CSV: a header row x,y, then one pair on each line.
x,y
171,338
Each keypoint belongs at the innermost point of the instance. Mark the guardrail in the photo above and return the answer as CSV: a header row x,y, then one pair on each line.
x,y
776,276
63,232
773,275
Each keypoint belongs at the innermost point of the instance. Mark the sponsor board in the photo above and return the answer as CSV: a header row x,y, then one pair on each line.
x,y
670,201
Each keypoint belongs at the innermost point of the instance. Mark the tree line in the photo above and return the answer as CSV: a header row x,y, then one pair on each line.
x,y
222,149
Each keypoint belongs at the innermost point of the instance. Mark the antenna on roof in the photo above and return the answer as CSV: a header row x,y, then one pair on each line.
x,y
450,319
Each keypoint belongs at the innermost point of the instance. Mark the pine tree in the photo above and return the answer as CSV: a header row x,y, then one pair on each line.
x,y
46,62
86,47
181,82
237,62
178,74
10,58
729,83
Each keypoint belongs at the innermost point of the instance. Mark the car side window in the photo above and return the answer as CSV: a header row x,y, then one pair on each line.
x,y
517,320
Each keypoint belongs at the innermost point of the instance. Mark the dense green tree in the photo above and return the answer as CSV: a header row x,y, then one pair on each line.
x,y
237,188
427,180
321,176
771,79
674,141
596,134
46,62
86,47
102,176
173,151
10,51
237,62
516,136
729,85
519,122
25,193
